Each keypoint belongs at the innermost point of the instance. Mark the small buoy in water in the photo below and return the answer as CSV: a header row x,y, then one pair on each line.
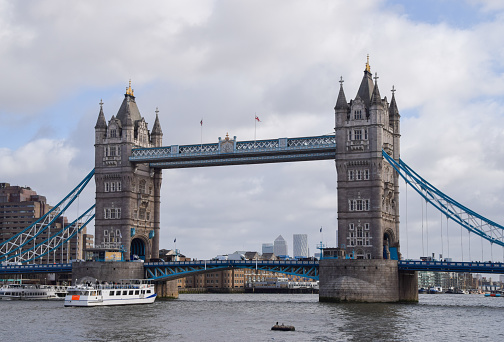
x,y
283,327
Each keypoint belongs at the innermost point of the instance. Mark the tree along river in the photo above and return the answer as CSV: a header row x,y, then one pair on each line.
x,y
249,317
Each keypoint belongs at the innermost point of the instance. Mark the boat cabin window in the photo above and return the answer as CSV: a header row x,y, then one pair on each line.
x,y
131,292
118,293
143,291
137,292
112,293
148,291
125,293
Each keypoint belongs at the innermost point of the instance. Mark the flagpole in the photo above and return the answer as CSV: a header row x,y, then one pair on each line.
x,y
255,127
201,124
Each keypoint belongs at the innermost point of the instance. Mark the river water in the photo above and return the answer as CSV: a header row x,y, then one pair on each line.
x,y
249,317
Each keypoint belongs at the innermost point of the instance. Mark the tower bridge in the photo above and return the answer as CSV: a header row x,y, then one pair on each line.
x,y
129,159
128,173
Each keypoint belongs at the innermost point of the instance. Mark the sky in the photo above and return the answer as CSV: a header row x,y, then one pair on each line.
x,y
224,62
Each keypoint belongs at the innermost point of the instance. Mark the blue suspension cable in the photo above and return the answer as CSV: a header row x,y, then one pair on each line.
x,y
455,211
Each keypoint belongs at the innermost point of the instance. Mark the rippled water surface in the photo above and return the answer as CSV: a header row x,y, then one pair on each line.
x,y
249,317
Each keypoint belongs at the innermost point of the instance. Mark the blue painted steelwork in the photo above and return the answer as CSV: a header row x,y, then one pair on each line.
x,y
160,271
42,268
458,213
13,248
179,269
59,239
453,266
242,152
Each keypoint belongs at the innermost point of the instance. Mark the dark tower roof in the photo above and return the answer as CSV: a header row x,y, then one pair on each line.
x,y
128,108
156,129
376,98
101,123
127,121
366,87
393,111
341,102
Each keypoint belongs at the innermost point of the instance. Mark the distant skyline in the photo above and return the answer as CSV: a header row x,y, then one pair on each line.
x,y
212,67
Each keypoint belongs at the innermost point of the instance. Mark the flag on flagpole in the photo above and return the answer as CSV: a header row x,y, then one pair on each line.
x,y
175,240
201,122
321,229
257,118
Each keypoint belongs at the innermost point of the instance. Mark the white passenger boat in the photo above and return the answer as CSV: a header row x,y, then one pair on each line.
x,y
32,291
132,291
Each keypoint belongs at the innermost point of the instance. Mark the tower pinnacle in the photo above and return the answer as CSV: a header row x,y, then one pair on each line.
x,y
129,91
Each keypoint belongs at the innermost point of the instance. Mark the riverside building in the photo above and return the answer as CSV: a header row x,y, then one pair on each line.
x,y
20,207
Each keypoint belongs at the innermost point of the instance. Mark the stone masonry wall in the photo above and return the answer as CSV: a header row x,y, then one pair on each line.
x,y
375,280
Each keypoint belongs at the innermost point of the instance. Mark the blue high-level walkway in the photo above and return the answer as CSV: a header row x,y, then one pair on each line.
x,y
159,271
238,152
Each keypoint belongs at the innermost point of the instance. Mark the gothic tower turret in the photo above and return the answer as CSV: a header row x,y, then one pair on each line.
x,y
127,194
368,210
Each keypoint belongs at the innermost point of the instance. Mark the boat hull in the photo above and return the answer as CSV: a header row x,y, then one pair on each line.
x,y
135,293
30,292
108,301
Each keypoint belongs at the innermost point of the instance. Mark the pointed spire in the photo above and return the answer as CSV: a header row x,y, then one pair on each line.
x,y
376,98
156,129
366,87
101,123
129,110
393,111
341,102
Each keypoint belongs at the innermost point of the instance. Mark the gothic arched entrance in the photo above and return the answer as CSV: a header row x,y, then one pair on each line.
x,y
386,246
390,250
137,249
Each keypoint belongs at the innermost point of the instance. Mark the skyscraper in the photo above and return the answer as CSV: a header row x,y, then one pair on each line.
x,y
267,248
300,245
280,247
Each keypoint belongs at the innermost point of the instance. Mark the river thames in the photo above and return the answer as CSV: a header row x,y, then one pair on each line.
x,y
249,317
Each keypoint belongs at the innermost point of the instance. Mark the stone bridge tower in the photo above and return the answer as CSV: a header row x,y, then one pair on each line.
x,y
368,187
127,194
368,202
